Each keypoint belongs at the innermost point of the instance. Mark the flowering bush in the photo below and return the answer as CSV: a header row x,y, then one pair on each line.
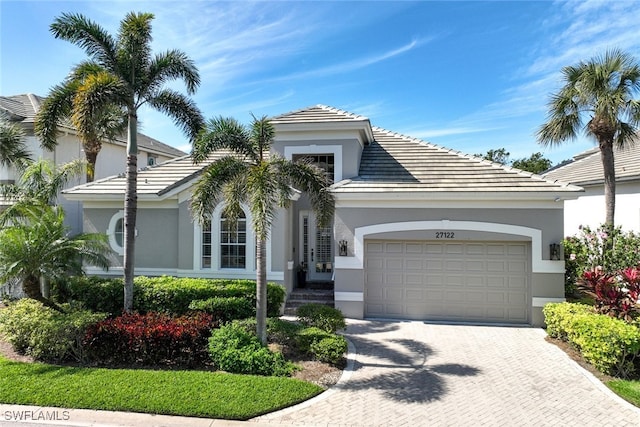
x,y
607,248
150,339
616,295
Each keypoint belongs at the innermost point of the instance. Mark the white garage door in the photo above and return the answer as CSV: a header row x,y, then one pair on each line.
x,y
458,281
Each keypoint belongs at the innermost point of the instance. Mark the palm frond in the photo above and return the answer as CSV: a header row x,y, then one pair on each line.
x,y
182,110
173,65
86,34
221,133
13,151
209,189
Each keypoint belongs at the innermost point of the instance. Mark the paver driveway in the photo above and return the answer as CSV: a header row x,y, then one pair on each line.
x,y
417,374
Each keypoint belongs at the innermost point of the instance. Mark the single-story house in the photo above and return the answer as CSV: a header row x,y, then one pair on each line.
x,y
585,170
419,231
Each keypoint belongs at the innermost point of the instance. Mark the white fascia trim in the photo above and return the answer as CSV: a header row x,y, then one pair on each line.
x,y
538,265
349,296
336,150
382,196
423,203
142,204
542,301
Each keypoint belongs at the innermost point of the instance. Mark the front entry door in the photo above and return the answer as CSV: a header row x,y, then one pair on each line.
x,y
317,248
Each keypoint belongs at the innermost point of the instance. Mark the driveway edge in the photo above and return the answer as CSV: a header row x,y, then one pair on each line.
x,y
344,378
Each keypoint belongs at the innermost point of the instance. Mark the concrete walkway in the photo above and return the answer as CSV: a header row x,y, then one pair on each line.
x,y
417,374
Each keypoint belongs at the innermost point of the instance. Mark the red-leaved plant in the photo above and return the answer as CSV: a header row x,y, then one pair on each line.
x,y
150,339
616,295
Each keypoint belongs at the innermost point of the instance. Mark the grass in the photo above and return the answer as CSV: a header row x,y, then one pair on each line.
x,y
628,390
187,393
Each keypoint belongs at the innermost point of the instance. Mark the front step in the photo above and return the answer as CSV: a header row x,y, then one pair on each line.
x,y
300,297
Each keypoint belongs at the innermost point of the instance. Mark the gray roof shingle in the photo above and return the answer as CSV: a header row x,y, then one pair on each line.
x,y
395,162
23,109
586,167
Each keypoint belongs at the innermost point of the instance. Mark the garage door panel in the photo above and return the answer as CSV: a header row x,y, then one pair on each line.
x,y
413,279
466,281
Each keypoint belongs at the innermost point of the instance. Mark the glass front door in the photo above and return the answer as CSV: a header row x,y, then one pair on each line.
x,y
317,248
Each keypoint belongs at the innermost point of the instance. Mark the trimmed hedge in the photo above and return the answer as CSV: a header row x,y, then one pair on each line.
x,y
321,316
609,344
44,333
558,316
225,309
167,294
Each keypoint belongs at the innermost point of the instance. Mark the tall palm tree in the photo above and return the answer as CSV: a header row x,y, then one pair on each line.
x,y
108,121
13,151
37,246
125,73
249,174
601,92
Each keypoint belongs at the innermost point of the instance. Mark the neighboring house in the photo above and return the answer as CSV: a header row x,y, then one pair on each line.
x,y
420,232
22,109
585,170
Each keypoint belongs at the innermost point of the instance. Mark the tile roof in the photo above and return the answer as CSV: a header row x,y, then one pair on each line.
x,y
586,168
154,181
399,163
23,108
390,163
317,114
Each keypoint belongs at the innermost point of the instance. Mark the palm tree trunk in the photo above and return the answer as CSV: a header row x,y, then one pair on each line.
x,y
130,211
91,156
606,155
31,287
261,290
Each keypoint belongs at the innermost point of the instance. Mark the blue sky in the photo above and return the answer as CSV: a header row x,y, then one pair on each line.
x,y
470,76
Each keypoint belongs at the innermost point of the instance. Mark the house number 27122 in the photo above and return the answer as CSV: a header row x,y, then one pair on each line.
x,y
445,234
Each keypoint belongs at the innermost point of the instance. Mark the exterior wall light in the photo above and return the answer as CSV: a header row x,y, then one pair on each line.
x,y
554,251
343,248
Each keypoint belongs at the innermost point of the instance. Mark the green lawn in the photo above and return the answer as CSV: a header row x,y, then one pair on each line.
x,y
187,393
628,390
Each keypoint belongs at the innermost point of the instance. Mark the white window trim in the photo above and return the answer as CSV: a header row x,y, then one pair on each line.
x,y
250,251
336,150
111,232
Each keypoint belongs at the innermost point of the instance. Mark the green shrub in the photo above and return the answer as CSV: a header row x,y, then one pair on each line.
x,y
307,336
282,331
163,294
235,350
330,349
558,317
44,333
321,316
611,345
225,309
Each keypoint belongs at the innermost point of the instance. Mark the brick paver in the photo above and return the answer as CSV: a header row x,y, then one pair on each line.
x,y
417,374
